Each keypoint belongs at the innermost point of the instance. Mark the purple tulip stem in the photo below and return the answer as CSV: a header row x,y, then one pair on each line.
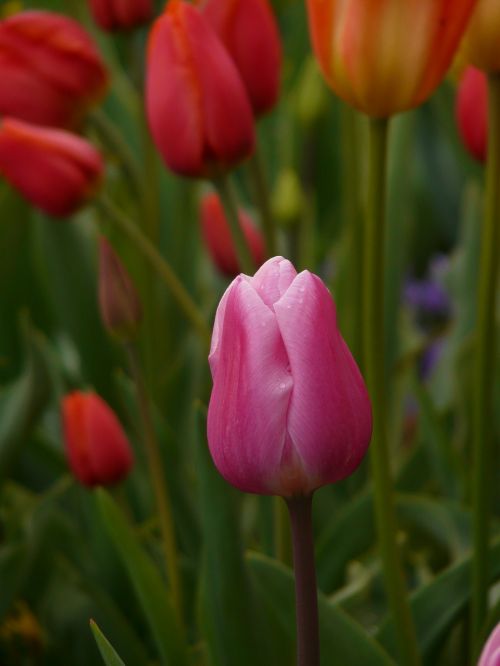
x,y
306,593
483,424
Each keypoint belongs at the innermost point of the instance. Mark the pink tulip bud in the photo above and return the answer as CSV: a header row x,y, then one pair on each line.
x,y
289,410
121,14
472,112
55,170
50,69
198,109
490,656
96,446
218,240
119,301
249,31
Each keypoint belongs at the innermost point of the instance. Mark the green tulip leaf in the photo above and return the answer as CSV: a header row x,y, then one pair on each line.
x,y
108,653
149,586
343,641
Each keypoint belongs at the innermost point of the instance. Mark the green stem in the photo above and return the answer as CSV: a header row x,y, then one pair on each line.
x,y
306,591
261,191
484,370
160,265
282,538
158,481
375,376
229,203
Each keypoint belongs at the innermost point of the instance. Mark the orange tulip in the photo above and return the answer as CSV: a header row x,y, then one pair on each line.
x,y
482,41
386,56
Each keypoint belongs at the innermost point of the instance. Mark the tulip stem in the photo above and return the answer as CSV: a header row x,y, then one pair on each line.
x,y
261,192
158,481
484,370
160,265
374,363
306,591
230,206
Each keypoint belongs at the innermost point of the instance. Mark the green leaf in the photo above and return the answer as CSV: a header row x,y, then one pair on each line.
x,y
226,603
108,653
22,404
149,586
343,641
437,606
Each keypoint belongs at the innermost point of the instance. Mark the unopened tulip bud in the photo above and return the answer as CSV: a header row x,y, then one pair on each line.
x,y
97,448
289,410
311,94
490,656
119,301
386,57
198,109
472,112
288,198
50,68
218,239
249,31
121,14
53,169
482,36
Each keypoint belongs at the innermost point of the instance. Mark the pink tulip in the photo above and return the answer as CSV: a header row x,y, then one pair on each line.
x,y
289,410
490,656
472,112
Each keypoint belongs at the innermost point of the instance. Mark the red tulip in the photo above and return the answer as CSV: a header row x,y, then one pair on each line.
x,y
218,239
249,31
54,169
50,69
119,302
97,448
198,110
386,56
121,14
289,410
472,112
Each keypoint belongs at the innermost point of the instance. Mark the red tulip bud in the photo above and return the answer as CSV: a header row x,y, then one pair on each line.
x,y
218,239
96,446
119,301
472,112
54,169
120,14
198,109
249,31
50,68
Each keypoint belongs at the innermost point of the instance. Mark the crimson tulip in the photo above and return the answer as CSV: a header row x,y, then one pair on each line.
x,y
50,69
289,410
54,170
249,31
218,239
386,56
472,112
121,14
97,448
198,110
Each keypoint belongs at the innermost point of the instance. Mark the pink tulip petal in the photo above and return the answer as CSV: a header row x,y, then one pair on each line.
x,y
329,418
252,388
273,279
490,656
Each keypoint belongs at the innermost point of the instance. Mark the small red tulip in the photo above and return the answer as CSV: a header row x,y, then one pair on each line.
x,y
53,169
217,236
472,112
119,302
198,109
50,69
97,448
249,31
121,14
